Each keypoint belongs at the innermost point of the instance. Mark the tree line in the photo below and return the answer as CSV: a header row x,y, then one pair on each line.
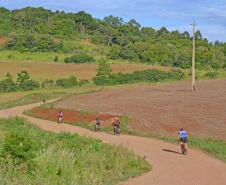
x,y
39,29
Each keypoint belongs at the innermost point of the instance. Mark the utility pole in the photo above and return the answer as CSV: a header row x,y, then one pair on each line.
x,y
193,58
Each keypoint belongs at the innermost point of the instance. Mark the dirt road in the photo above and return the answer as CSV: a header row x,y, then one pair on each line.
x,y
169,167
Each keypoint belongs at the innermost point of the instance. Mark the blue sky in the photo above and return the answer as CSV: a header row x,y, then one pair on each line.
x,y
210,15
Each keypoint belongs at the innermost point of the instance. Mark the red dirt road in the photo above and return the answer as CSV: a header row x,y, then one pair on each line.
x,y
163,109
169,167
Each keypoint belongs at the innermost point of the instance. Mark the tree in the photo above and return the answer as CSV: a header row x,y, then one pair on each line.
x,y
162,31
198,35
134,23
185,35
113,21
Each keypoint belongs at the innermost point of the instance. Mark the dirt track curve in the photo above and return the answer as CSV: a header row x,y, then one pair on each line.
x,y
169,167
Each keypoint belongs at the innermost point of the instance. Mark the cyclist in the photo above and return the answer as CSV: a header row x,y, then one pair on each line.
x,y
116,124
60,116
182,136
98,122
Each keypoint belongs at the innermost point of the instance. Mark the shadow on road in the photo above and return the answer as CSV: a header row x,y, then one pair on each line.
x,y
171,151
184,90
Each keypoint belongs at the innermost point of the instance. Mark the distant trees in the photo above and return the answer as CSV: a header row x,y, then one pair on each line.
x,y
38,29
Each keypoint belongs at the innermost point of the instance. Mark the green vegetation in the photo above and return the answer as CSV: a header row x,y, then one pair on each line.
x,y
138,76
29,155
63,35
214,147
24,83
80,58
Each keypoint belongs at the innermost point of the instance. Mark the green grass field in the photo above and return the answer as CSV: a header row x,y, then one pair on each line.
x,y
29,155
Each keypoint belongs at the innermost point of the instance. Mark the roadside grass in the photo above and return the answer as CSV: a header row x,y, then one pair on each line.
x,y
204,74
211,146
61,158
108,129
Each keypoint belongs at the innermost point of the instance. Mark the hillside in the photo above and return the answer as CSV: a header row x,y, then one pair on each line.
x,y
31,30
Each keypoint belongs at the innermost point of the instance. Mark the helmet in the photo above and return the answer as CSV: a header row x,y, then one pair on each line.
x,y
181,129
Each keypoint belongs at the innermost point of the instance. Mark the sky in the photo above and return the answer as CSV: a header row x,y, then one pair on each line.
x,y
210,15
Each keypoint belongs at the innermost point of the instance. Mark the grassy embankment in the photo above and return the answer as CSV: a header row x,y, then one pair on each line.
x,y
29,155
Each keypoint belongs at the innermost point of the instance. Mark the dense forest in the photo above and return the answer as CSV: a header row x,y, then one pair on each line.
x,y
38,29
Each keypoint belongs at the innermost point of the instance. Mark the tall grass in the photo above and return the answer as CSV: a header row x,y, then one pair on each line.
x,y
62,158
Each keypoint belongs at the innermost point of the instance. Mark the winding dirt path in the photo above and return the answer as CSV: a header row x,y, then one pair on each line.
x,y
169,167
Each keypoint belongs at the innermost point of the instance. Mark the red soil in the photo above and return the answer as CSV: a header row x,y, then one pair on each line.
x,y
71,116
3,40
163,109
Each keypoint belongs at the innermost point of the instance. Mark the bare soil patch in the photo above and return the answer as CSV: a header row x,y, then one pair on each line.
x,y
163,109
42,71
3,40
71,116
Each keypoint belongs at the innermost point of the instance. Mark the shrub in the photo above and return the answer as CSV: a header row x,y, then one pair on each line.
x,y
47,83
18,147
56,58
34,43
104,68
67,83
79,58
29,85
114,53
82,82
8,85
138,76
211,74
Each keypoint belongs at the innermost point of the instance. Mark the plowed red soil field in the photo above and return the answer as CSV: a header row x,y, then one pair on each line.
x,y
162,109
71,116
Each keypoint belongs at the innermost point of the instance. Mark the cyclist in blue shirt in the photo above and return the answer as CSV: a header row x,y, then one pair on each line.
x,y
182,136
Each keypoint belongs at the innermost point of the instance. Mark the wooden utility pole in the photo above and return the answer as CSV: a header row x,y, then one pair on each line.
x,y
193,58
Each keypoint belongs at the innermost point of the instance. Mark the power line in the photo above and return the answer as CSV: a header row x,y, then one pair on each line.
x,y
193,58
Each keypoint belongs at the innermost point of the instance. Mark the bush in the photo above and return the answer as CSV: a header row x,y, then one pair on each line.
x,y
67,83
104,68
18,147
29,85
82,82
114,52
8,85
211,74
56,58
138,76
47,83
79,58
34,43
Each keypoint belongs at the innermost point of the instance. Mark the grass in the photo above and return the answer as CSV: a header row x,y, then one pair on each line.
x,y
124,120
8,100
61,158
70,47
210,146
